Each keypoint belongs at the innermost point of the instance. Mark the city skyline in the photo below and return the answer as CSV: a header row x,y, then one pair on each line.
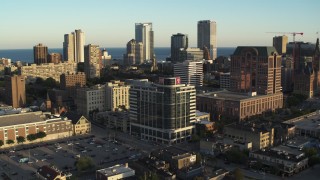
x,y
111,24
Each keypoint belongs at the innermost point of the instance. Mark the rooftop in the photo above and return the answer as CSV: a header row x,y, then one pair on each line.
x,y
307,122
248,128
16,119
261,50
116,169
234,96
48,172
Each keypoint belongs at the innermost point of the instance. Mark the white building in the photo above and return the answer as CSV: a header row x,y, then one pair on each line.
x,y
225,80
115,172
117,95
144,34
79,45
89,99
105,58
207,36
45,71
68,48
190,72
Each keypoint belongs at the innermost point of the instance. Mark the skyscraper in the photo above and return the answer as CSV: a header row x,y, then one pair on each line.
x,y
40,53
255,69
134,53
178,41
280,43
144,34
73,46
69,48
207,36
190,72
15,90
92,62
79,45
162,112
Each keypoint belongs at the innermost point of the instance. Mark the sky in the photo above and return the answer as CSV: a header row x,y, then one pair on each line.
x,y
110,23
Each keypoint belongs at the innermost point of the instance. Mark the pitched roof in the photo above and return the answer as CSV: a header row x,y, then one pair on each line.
x,y
48,172
74,117
15,119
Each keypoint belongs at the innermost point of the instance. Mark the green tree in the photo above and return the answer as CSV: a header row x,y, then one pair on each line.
x,y
154,176
21,139
238,174
310,151
10,141
1,143
41,134
84,163
31,137
50,83
314,160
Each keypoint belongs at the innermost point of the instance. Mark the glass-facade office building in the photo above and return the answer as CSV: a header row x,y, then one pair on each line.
x,y
162,112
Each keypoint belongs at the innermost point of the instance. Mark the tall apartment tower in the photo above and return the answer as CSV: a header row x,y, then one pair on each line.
x,y
178,41
190,72
73,46
79,45
162,112
117,95
15,90
71,82
207,36
255,69
69,47
40,54
134,53
144,34
92,62
280,43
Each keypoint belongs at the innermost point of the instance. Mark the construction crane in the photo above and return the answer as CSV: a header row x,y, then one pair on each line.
x,y
292,33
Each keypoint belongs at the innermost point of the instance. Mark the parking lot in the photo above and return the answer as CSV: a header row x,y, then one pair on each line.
x,y
104,151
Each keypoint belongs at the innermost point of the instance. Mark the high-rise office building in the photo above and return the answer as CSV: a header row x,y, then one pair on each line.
x,y
207,36
73,46
190,72
178,41
190,54
69,48
162,112
40,53
79,45
15,91
105,58
280,43
255,69
92,62
134,53
145,35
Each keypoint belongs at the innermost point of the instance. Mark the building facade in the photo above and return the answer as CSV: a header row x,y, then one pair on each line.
x,y
178,41
40,54
280,43
224,80
207,36
91,99
260,138
144,34
71,82
79,45
190,72
15,91
117,95
134,53
238,106
55,58
190,54
92,62
255,69
162,112
105,58
45,71
119,171
69,48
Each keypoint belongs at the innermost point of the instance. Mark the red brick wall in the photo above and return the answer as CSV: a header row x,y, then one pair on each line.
x,y
2,135
21,132
41,128
32,130
11,134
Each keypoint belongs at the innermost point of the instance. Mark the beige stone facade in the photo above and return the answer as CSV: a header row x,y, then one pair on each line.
x,y
117,95
45,71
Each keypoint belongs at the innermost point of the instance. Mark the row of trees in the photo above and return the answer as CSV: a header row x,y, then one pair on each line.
x,y
21,139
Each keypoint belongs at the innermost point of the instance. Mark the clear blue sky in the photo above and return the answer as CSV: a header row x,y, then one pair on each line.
x,y
110,23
